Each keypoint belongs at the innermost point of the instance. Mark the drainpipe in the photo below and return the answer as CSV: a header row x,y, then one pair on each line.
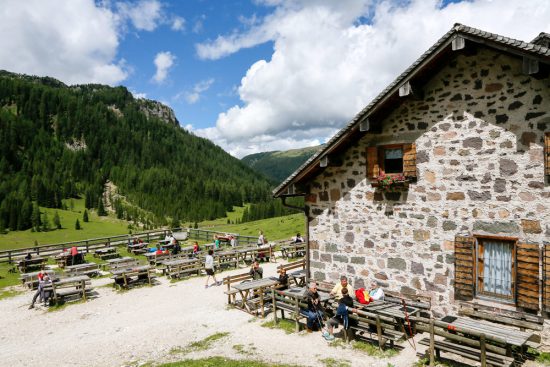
x,y
305,210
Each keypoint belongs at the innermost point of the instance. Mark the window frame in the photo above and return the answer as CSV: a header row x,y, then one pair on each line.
x,y
479,266
382,159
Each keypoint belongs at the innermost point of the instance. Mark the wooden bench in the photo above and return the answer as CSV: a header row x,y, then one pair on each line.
x,y
301,264
231,279
123,264
36,262
77,286
370,325
127,276
468,343
293,250
422,302
30,280
520,320
178,268
89,269
282,303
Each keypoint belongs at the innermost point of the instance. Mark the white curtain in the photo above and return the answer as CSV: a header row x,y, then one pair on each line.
x,y
497,269
393,153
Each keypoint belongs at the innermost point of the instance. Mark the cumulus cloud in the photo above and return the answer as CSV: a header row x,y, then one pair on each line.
x,y
178,23
330,58
163,62
74,41
194,95
145,14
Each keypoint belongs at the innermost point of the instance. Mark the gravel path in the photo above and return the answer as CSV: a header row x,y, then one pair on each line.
x,y
144,324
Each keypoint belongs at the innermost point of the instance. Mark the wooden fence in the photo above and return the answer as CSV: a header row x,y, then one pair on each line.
x,y
96,243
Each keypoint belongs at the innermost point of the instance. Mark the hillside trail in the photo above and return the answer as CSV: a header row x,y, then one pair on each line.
x,y
156,324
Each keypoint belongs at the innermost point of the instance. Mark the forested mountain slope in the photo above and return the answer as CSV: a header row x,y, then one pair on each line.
x,y
59,141
279,165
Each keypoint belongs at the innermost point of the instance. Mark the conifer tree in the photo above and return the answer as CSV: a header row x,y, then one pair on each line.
x,y
46,222
57,220
101,208
35,218
85,216
77,225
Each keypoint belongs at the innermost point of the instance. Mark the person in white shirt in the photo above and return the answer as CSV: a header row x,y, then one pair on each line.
x,y
376,293
209,268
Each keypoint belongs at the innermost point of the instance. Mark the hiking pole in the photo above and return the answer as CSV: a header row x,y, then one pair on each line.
x,y
413,345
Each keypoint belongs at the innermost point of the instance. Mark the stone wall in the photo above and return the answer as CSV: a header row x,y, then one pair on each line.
x,y
479,132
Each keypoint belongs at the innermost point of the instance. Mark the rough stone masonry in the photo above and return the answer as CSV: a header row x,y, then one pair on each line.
x,y
479,132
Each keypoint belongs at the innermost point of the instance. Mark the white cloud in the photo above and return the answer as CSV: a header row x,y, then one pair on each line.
x,y
138,95
327,65
74,41
145,14
163,61
194,95
178,23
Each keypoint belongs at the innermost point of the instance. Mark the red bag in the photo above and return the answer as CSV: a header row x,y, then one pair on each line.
x,y
363,296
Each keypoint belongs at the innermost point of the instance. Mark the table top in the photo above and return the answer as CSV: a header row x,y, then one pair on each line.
x,y
300,292
105,250
133,269
255,284
181,262
81,266
512,336
76,279
138,245
120,260
298,273
34,274
164,241
34,259
152,254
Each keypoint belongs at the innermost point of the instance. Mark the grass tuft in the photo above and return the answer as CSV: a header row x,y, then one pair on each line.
x,y
287,326
222,361
373,350
331,362
200,345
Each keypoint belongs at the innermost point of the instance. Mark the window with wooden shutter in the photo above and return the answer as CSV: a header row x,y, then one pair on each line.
x,y
547,154
546,278
496,272
409,160
528,288
464,268
373,169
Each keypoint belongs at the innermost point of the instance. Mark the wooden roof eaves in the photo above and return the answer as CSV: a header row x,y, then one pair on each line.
x,y
476,35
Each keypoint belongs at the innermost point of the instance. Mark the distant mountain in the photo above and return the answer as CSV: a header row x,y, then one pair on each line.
x,y
59,141
278,165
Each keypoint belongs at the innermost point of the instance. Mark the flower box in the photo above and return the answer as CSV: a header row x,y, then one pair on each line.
x,y
391,183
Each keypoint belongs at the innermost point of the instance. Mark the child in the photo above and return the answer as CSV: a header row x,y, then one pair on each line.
x,y
209,268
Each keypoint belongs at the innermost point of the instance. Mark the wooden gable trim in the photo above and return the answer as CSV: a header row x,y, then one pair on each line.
x,y
547,154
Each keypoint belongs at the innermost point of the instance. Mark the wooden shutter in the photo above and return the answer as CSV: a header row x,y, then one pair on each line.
x,y
547,154
527,278
464,268
409,160
546,278
373,169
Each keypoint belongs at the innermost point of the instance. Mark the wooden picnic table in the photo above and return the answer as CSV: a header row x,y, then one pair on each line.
x,y
177,267
293,249
30,280
138,247
512,337
300,293
82,269
256,287
69,286
299,277
125,274
34,262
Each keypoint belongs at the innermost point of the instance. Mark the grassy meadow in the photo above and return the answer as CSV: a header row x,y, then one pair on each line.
x,y
96,227
274,228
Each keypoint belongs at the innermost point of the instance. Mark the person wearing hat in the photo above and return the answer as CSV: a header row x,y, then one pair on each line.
x,y
337,290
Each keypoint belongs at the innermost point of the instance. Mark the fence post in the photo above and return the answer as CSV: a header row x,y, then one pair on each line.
x,y
148,240
9,257
483,351
87,247
432,342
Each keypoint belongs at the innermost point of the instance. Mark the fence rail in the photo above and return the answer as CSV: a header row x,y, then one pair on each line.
x,y
96,243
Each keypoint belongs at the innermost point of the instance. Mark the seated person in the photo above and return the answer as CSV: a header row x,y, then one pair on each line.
x,y
196,248
314,312
159,251
28,256
283,279
337,290
345,305
298,238
376,293
176,249
256,271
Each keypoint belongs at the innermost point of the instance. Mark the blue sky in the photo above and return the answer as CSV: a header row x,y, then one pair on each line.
x,y
251,75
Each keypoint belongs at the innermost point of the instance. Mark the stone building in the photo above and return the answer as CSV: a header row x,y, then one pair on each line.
x,y
440,186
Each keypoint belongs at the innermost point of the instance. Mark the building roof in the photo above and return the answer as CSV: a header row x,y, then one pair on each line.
x,y
535,49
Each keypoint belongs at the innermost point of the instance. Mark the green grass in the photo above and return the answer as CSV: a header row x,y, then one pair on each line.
x,y
6,278
246,350
7,293
63,305
331,362
279,228
373,350
96,227
222,361
200,345
543,357
286,325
